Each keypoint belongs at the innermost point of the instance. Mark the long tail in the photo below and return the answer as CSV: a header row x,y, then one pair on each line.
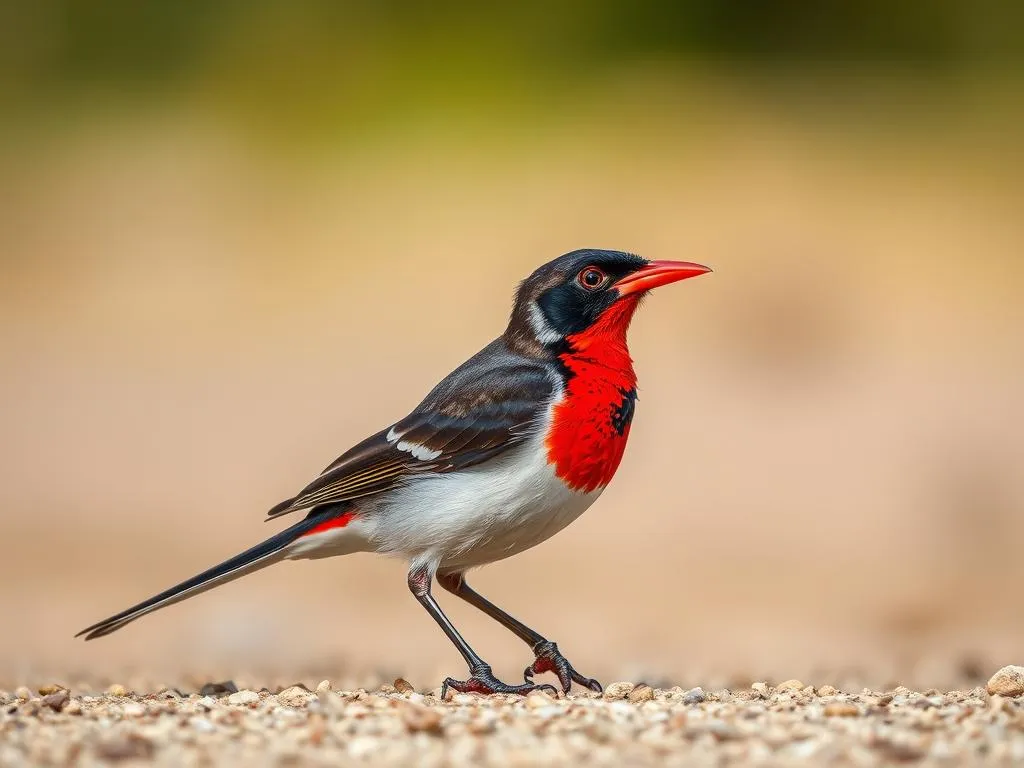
x,y
263,554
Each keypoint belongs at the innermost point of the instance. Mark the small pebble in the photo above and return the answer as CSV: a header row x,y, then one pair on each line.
x,y
57,701
403,686
117,690
218,689
617,691
420,719
1008,681
317,729
790,686
46,690
694,696
245,697
538,699
640,694
127,747
841,709
827,690
480,726
23,692
721,730
324,686
294,697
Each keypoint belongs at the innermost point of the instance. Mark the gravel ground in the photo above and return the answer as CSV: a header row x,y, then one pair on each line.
x,y
631,724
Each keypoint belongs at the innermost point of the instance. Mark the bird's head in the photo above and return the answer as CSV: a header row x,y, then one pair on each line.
x,y
587,294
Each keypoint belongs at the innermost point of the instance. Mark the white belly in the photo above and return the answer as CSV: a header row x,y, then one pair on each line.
x,y
478,515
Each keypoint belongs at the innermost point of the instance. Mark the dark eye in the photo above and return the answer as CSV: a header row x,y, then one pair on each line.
x,y
591,278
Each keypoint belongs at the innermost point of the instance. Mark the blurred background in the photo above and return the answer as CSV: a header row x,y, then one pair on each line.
x,y
237,237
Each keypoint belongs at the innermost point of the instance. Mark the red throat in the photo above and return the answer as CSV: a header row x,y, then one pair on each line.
x,y
590,425
610,327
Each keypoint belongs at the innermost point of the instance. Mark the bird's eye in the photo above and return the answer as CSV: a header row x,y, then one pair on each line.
x,y
592,278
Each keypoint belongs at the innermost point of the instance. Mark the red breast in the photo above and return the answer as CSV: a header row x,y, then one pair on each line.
x,y
590,424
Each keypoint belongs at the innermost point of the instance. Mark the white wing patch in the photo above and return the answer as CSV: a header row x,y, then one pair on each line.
x,y
418,451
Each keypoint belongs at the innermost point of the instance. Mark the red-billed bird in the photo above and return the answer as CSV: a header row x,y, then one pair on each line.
x,y
506,451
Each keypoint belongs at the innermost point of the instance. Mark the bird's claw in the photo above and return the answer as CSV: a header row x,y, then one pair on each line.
x,y
549,659
482,680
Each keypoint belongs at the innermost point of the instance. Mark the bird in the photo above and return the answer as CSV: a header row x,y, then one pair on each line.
x,y
506,451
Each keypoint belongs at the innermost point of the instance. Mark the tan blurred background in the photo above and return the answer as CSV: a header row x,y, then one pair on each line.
x,y
238,237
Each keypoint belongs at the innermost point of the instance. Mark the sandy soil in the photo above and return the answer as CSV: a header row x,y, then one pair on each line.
x,y
630,724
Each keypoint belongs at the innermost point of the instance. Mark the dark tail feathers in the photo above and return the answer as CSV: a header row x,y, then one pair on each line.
x,y
260,556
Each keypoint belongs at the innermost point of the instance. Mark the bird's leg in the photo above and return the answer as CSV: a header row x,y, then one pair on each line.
x,y
548,658
481,678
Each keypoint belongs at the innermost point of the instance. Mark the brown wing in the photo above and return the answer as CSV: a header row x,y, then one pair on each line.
x,y
489,404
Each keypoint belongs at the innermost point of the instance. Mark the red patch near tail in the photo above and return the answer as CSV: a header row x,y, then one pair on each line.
x,y
331,523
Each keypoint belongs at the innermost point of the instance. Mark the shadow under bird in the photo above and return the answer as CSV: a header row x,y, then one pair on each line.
x,y
511,447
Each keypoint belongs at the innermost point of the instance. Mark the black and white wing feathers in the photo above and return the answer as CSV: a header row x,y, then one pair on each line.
x,y
490,403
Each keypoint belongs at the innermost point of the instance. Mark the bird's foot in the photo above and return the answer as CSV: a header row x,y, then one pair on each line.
x,y
550,660
482,680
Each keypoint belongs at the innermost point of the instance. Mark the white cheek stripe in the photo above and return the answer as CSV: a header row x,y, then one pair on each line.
x,y
541,328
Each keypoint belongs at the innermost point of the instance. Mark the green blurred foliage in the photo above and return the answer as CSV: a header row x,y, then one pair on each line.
x,y
316,61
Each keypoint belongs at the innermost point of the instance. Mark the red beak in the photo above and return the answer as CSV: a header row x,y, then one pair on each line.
x,y
658,273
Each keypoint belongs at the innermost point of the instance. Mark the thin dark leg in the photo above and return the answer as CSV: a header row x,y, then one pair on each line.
x,y
481,678
548,658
